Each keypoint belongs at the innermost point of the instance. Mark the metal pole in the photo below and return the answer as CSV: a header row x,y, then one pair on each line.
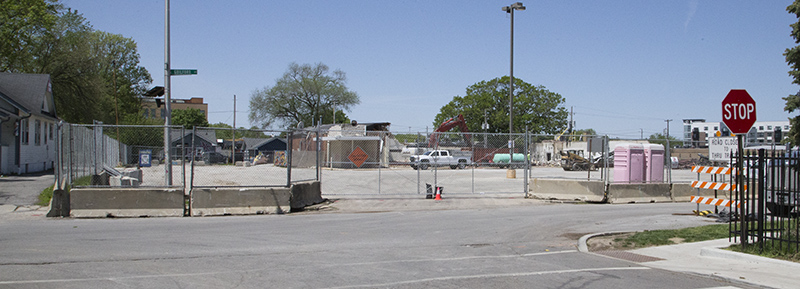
x,y
741,192
511,85
233,133
167,100
669,156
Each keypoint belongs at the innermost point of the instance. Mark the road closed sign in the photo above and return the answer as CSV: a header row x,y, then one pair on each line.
x,y
720,149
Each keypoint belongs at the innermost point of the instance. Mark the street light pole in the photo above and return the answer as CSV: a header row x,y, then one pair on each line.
x,y
510,9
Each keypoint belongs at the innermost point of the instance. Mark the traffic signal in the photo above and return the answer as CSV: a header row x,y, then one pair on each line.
x,y
159,102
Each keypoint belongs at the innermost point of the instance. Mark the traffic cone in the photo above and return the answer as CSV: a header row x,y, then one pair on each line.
x,y
438,194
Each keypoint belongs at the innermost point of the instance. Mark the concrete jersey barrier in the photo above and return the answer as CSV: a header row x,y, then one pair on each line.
x,y
568,190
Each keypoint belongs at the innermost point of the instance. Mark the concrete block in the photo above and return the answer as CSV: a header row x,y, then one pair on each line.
x,y
133,173
124,182
568,190
306,194
125,202
59,204
639,193
234,201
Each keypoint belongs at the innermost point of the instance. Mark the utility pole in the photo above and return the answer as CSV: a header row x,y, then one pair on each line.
x,y
167,107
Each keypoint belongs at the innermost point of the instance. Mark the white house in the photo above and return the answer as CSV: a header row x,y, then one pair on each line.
x,y
27,123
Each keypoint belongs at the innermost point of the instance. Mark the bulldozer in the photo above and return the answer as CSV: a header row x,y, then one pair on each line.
x,y
572,161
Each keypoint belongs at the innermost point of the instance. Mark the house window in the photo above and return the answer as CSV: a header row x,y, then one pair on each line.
x,y
44,133
52,128
24,131
37,132
769,127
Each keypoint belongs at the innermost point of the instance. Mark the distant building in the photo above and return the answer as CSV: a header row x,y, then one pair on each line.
x,y
151,109
697,131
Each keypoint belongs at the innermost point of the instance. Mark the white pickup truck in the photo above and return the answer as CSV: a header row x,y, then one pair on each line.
x,y
440,158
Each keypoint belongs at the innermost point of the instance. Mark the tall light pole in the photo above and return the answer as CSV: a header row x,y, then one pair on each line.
x,y
167,101
510,9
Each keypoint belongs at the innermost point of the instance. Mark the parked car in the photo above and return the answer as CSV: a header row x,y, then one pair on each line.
x,y
215,158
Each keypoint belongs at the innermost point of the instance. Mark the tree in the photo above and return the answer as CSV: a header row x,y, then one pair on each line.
x,y
95,74
661,139
189,118
535,107
303,94
23,23
225,131
793,59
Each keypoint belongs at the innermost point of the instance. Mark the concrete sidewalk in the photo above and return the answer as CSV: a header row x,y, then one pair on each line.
x,y
708,259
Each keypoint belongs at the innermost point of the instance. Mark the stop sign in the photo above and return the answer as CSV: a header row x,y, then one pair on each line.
x,y
738,111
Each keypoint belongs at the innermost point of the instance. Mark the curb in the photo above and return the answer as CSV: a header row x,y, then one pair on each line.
x,y
718,252
583,248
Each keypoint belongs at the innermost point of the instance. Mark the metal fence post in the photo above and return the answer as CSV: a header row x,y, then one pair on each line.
x,y
527,166
289,150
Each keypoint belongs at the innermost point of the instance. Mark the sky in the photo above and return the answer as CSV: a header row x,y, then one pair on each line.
x,y
623,67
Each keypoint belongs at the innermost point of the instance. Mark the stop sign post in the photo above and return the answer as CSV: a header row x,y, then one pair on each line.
x,y
739,114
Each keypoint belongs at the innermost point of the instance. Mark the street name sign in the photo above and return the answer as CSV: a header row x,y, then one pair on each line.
x,y
182,71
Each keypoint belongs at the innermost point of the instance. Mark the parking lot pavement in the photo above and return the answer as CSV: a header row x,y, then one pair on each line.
x,y
24,190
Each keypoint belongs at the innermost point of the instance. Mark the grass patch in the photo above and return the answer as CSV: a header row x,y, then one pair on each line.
x,y
775,250
669,237
47,194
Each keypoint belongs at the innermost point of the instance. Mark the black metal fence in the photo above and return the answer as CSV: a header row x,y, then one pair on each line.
x,y
769,204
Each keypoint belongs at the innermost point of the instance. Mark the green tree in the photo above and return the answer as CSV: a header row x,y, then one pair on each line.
x,y
224,131
536,108
661,139
793,59
189,118
22,24
91,71
303,94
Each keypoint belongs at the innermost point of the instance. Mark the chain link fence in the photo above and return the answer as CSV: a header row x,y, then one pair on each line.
x,y
349,160
108,155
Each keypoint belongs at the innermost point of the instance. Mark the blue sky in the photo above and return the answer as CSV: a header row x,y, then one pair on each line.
x,y
625,66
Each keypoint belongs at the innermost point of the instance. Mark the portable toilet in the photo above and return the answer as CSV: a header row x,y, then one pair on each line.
x,y
654,163
629,163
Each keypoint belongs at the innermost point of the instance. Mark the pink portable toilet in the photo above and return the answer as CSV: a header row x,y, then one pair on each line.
x,y
629,163
654,163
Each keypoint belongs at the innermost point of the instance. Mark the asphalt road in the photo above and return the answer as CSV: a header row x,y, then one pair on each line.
x,y
530,246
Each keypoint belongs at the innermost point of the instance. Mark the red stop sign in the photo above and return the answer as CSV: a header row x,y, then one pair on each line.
x,y
738,111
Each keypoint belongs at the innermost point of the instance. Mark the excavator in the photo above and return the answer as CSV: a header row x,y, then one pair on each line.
x,y
447,125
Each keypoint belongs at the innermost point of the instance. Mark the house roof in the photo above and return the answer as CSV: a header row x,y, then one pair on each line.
x,y
28,92
251,143
207,135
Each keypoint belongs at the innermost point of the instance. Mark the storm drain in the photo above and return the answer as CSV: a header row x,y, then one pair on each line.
x,y
628,256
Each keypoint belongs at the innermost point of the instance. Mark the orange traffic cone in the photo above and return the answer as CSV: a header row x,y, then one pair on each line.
x,y
438,194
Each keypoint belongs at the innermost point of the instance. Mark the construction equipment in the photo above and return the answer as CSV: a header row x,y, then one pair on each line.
x,y
448,125
572,161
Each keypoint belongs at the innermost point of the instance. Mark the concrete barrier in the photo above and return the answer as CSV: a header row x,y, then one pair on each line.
x,y
125,202
306,194
639,193
570,190
236,201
